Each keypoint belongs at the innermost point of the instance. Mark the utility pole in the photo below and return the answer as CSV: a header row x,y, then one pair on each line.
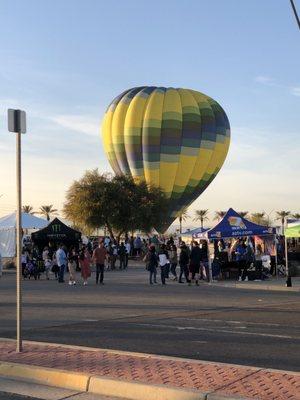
x,y
17,124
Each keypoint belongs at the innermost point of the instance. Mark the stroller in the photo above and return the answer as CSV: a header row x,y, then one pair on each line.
x,y
31,270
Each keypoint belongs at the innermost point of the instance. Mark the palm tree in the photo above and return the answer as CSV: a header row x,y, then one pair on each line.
x,y
296,216
281,216
244,213
201,215
47,211
28,210
219,215
182,216
258,218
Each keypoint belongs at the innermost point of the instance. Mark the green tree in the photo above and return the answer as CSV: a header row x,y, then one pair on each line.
x,y
47,211
117,202
182,216
281,216
296,216
219,215
28,210
243,213
201,215
259,218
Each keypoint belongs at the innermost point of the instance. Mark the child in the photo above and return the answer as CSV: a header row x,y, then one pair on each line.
x,y
48,265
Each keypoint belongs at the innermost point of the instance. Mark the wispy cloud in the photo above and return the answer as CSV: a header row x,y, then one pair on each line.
x,y
78,123
295,90
268,81
265,80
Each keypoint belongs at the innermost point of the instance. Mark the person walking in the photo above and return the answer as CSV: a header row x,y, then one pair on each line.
x,y
48,265
72,262
184,257
61,260
128,250
99,257
122,255
137,246
85,264
163,257
240,257
55,268
203,260
173,260
258,263
152,264
194,266
24,259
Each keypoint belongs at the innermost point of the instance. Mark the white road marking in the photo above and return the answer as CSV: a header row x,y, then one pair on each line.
x,y
193,328
235,322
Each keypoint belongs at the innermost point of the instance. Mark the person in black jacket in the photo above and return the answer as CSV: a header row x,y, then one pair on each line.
x,y
122,256
152,264
194,266
184,257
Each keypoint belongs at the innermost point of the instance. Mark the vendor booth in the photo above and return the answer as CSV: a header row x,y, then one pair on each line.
x,y
8,231
234,225
56,232
191,234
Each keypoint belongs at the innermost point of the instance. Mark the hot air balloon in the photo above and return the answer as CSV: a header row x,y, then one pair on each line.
x,y
175,139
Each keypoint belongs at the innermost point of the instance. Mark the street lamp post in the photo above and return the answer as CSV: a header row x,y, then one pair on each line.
x,y
17,124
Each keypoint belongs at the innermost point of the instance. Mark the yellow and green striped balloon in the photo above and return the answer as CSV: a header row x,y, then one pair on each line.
x,y
176,139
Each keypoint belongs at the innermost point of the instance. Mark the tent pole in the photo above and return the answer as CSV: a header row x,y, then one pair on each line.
x,y
288,278
209,263
276,259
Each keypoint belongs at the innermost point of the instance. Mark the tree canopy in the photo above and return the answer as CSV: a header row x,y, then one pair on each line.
x,y
117,202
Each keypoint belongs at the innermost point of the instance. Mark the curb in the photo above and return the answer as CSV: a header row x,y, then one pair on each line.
x,y
257,287
94,384
138,391
46,376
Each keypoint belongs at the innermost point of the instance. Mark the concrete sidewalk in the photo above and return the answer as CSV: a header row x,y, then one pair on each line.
x,y
277,284
142,376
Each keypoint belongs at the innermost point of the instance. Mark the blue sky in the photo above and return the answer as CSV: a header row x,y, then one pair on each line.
x,y
63,62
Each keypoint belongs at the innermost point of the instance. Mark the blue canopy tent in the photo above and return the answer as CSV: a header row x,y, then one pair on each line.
x,y
234,225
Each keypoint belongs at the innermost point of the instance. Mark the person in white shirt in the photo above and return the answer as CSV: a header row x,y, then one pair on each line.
x,y
163,259
128,249
62,261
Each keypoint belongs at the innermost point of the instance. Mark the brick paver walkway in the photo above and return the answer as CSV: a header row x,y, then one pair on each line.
x,y
248,382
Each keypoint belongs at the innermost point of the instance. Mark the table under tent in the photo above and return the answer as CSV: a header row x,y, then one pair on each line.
x,y
234,226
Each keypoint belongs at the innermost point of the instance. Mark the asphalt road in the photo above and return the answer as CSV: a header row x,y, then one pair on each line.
x,y
12,396
250,327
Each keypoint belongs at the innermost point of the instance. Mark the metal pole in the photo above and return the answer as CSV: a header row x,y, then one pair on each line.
x,y
19,244
295,13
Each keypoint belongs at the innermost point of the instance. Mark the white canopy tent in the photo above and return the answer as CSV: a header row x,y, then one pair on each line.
x,y
8,231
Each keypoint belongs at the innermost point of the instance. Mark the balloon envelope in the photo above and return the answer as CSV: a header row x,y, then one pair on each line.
x,y
176,139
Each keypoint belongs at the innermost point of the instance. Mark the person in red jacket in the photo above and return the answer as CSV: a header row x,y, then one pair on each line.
x,y
99,257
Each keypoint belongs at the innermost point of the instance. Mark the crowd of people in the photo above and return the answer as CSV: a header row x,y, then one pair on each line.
x,y
192,261
57,260
169,258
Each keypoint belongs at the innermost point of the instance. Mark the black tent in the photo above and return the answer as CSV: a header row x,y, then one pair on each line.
x,y
56,232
